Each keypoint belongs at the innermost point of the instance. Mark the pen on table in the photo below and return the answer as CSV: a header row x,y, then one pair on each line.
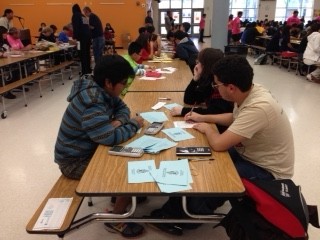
x,y
164,98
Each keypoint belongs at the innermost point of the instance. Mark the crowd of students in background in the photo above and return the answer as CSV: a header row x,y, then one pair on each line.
x,y
281,34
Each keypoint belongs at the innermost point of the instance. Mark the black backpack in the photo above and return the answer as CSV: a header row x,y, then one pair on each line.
x,y
272,210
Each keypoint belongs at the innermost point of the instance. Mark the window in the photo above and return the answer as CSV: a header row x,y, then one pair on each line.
x,y
176,4
248,7
285,8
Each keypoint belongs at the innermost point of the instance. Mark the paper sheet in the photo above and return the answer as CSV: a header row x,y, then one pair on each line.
x,y
183,124
177,134
172,105
139,171
154,116
158,105
53,214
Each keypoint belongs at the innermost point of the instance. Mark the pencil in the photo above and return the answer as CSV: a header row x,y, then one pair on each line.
x,y
192,108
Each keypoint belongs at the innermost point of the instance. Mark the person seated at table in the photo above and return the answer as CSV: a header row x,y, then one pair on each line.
x,y
259,137
185,27
63,35
154,43
14,40
185,49
133,56
199,89
143,41
311,54
96,115
42,26
250,33
47,35
285,44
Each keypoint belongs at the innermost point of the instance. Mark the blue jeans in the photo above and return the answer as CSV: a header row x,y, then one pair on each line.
x,y
98,47
207,205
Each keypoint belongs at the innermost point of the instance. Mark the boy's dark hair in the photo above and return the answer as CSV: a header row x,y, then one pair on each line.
x,y
170,34
65,28
53,27
204,15
150,29
141,30
186,26
113,68
143,40
7,11
180,35
134,47
295,11
236,70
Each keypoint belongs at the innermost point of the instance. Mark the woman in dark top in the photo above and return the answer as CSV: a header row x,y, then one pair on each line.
x,y
81,33
200,90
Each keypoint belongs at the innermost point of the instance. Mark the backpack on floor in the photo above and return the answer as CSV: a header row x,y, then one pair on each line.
x,y
272,210
261,60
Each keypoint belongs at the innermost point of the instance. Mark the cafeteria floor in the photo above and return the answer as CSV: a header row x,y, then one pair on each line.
x,y
28,171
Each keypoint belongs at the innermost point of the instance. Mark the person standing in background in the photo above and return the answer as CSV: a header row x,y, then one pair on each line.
x,y
202,25
148,20
6,19
230,28
236,25
96,33
81,33
169,21
294,18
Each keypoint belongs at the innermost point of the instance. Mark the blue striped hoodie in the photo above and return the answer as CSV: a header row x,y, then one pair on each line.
x,y
86,123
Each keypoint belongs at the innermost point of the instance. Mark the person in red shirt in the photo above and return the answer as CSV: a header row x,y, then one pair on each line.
x,y
236,24
293,19
202,25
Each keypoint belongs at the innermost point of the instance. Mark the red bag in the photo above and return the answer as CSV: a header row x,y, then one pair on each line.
x,y
288,54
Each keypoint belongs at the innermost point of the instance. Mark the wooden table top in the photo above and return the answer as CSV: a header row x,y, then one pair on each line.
x,y
175,82
107,175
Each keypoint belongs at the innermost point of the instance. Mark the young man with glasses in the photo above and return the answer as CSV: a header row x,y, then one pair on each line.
x,y
259,136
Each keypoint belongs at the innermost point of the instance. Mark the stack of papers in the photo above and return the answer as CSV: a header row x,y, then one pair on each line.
x,y
183,124
152,144
154,116
53,214
172,176
177,134
151,78
158,105
168,70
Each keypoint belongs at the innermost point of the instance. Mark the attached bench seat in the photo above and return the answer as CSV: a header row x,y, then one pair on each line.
x,y
21,82
63,188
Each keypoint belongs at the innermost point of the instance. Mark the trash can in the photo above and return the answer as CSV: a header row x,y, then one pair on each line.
x,y
236,49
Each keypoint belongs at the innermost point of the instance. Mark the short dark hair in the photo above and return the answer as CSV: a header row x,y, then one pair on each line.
x,y
113,68
236,70
150,29
295,11
180,35
186,26
7,11
141,30
53,27
134,47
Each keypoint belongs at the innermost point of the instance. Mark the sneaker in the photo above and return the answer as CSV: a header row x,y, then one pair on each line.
x,y
9,95
309,77
127,230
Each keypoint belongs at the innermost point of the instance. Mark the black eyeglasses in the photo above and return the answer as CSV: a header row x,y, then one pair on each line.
x,y
216,85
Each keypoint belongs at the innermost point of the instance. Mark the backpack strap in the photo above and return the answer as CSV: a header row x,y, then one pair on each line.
x,y
313,216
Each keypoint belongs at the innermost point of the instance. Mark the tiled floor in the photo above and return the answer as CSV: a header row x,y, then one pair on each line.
x,y
28,171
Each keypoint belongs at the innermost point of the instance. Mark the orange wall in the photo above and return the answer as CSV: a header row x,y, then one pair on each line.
x,y
124,18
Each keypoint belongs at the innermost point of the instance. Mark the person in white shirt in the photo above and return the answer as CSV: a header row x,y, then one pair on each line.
x,y
311,55
6,19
